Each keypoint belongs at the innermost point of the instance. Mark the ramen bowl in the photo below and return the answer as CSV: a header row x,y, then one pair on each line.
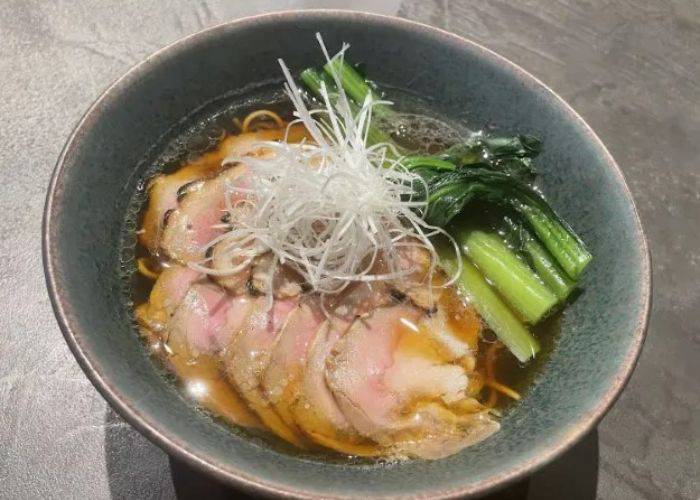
x,y
106,158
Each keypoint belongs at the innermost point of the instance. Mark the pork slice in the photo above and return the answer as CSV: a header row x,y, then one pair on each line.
x,y
262,273
384,368
248,354
201,317
282,376
358,299
418,285
433,431
316,411
208,317
220,260
248,144
164,190
362,298
166,295
200,375
190,228
455,328
284,280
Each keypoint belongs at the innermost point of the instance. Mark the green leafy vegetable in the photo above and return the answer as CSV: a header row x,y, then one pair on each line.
x,y
357,87
512,155
493,170
314,80
448,192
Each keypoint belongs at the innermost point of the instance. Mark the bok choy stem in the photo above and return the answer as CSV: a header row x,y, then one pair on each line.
x,y
356,87
512,277
549,271
507,327
449,192
418,161
313,80
557,236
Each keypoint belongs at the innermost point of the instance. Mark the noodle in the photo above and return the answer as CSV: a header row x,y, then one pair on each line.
x,y
504,389
145,270
490,379
490,360
492,401
259,113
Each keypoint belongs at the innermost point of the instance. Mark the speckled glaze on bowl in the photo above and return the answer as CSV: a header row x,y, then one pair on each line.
x,y
602,332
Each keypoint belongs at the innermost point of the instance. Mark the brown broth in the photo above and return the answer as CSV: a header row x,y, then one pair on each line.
x,y
201,378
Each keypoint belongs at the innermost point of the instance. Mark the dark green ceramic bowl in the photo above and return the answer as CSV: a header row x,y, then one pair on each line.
x,y
99,169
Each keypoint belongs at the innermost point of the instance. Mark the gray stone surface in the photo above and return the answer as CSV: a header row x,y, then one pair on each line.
x,y
630,67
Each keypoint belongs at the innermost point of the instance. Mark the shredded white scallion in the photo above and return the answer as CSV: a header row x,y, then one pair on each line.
x,y
329,208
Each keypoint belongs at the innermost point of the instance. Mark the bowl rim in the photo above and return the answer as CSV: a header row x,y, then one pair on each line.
x,y
171,444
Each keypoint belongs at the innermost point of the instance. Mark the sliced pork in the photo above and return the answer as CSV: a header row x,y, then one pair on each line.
x,y
454,328
191,227
168,291
418,285
358,299
200,372
433,431
381,378
247,356
316,411
383,368
163,195
221,260
282,376
208,317
284,280
166,190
